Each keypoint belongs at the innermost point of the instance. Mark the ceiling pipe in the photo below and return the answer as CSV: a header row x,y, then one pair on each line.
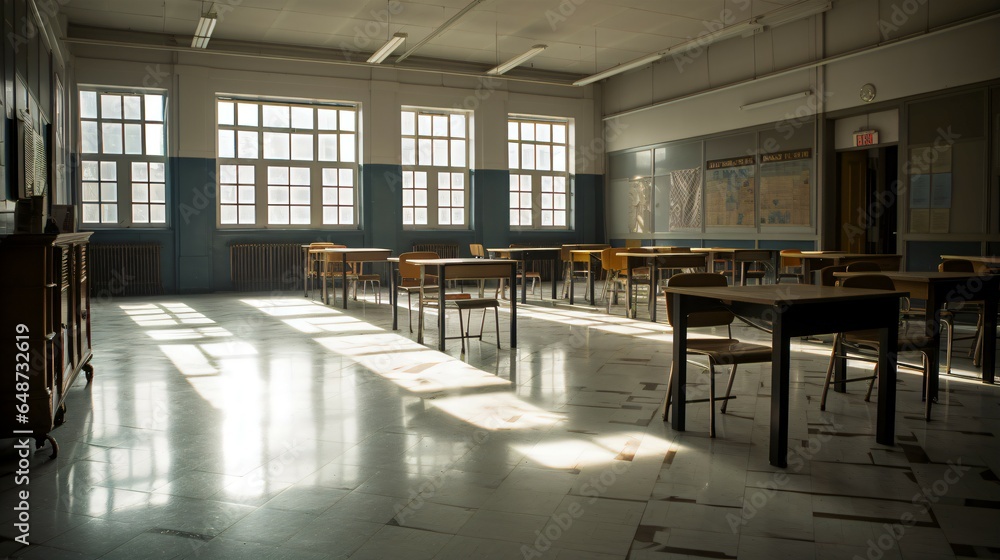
x,y
444,27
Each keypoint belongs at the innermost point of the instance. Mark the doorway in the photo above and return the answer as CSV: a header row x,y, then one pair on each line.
x,y
866,200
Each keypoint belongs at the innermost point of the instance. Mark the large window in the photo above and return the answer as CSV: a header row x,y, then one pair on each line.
x,y
435,155
123,162
538,152
287,165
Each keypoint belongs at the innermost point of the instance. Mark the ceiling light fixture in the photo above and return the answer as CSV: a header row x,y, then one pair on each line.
x,y
385,50
206,25
776,100
624,67
516,61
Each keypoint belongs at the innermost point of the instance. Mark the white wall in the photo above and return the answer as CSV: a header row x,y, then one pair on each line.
x,y
193,79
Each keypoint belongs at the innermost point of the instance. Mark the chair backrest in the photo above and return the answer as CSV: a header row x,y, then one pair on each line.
x,y
477,250
869,281
409,271
826,277
864,266
713,318
751,255
788,257
957,265
633,243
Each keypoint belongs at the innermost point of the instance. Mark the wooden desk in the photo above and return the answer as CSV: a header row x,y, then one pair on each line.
x,y
589,256
356,254
982,263
815,260
656,261
795,310
939,288
729,254
526,254
462,269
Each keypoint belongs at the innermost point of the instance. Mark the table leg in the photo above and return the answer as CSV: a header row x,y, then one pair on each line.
x,y
780,360
590,277
305,272
888,339
513,311
343,278
654,282
555,277
933,317
441,317
524,283
570,280
990,330
678,393
393,297
628,288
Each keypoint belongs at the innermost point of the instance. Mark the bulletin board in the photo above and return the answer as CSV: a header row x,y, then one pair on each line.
x,y
729,192
785,188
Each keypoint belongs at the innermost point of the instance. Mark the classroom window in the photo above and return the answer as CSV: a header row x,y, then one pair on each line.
x,y
123,138
538,152
287,164
436,148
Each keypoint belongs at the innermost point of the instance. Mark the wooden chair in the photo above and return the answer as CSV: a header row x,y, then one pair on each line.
x,y
968,307
791,266
724,351
409,282
524,272
862,341
751,264
616,268
864,266
469,305
315,260
826,277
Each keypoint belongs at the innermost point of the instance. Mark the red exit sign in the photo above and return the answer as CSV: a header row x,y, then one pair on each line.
x,y
866,138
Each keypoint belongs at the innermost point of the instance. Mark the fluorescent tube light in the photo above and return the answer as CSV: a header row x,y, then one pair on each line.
x,y
206,25
516,61
624,67
776,100
385,50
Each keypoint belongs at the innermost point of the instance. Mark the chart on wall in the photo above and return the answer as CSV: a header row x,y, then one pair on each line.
x,y
640,205
930,189
685,199
784,188
729,192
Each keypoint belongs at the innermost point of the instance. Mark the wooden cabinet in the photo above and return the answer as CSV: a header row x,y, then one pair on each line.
x,y
44,323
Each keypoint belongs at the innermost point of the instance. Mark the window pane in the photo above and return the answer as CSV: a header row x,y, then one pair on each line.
x,y
277,175
246,173
513,155
560,218
112,138
547,201
546,218
133,138
543,132
527,131
559,133
407,216
227,173
247,215
424,125
346,197
409,153
154,139
247,194
132,107
347,215
424,151
109,213
440,125
88,105
457,216
277,215
458,199
109,171
444,198
327,119
458,180
347,120
299,176
525,217
458,153
441,152
140,171
300,215
227,194
90,171
157,192
559,158
247,114
559,184
140,213
420,216
276,145
458,126
158,213
109,192
527,156
227,113
543,158
328,147
346,177
444,216
111,106
227,214
277,195
91,213
329,177
154,107
156,172
302,117
88,133
525,201
420,197
276,116
302,147
347,147
408,127
227,144
91,192
248,147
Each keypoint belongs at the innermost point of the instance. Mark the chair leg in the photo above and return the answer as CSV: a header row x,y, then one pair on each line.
x,y
949,331
711,398
927,387
829,370
409,310
670,386
871,384
496,318
729,388
462,329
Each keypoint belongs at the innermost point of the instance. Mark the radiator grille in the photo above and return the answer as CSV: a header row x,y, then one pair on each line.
x,y
124,269
256,267
444,250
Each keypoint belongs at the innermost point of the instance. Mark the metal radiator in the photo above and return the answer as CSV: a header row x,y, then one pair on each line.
x,y
256,267
444,250
124,269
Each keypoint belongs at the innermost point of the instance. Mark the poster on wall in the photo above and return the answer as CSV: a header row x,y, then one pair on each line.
x,y
685,199
729,192
640,205
785,195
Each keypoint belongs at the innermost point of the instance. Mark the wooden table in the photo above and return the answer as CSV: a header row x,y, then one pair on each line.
x,y
356,254
982,263
462,269
815,260
795,310
589,256
730,253
656,261
526,254
939,288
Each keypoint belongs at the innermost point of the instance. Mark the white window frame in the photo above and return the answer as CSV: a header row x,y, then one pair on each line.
x,y
431,158
254,191
111,174
540,198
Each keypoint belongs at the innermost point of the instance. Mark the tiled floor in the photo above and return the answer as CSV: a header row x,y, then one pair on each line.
x,y
269,426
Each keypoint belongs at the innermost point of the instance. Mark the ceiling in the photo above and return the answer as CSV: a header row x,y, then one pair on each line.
x,y
583,36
